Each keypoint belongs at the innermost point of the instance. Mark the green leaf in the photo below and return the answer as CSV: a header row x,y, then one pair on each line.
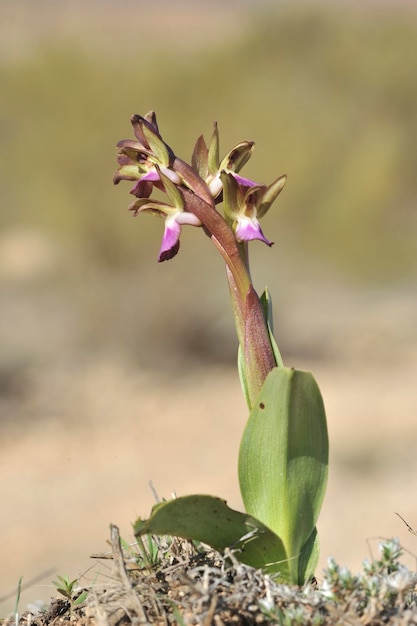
x,y
309,557
18,593
208,519
283,461
266,302
81,598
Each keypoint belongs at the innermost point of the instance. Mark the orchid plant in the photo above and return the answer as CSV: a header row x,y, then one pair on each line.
x,y
283,455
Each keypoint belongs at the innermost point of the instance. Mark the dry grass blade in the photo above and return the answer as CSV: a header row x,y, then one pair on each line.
x,y
410,529
119,571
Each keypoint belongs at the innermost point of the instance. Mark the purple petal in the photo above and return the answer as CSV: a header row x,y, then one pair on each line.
x,y
142,189
248,229
151,175
243,181
171,239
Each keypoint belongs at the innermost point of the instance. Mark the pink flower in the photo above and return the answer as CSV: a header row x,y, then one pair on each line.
x,y
174,215
244,204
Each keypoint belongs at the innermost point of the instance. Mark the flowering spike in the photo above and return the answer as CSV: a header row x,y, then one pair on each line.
x,y
192,194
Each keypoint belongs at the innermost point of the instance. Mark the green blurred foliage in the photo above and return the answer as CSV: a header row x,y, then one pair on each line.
x,y
329,96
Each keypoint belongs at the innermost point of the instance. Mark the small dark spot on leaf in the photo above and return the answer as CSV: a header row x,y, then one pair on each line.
x,y
261,405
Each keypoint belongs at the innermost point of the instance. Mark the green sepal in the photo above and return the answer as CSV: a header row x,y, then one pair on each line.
x,y
128,172
155,207
283,460
213,151
231,193
174,194
237,157
135,154
270,194
208,519
199,159
158,147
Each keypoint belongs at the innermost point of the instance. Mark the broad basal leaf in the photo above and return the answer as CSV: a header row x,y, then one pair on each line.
x,y
208,519
283,461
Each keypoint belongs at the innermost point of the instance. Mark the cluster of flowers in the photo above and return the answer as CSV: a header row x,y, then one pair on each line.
x,y
150,162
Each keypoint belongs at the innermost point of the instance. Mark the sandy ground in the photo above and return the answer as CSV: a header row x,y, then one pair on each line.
x,y
82,436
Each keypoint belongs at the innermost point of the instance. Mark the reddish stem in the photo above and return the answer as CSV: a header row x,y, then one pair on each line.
x,y
250,322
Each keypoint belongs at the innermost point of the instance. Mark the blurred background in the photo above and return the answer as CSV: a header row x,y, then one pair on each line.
x,y
116,370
